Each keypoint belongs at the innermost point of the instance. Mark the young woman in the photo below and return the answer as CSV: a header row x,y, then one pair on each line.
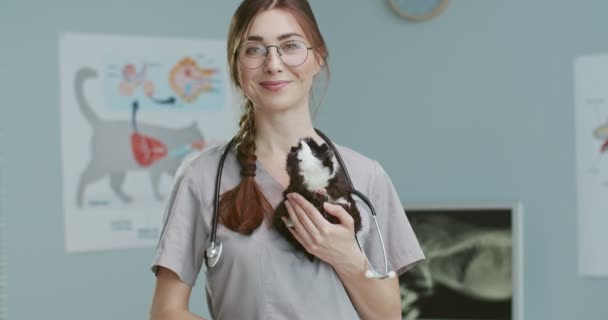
x,y
275,51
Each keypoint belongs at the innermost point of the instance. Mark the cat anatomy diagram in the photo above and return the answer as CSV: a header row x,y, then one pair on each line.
x,y
148,145
591,123
131,114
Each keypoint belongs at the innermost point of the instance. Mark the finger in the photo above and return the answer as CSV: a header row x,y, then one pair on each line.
x,y
296,235
313,214
288,222
339,212
304,218
297,226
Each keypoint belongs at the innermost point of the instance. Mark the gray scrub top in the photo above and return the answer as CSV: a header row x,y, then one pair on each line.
x,y
259,276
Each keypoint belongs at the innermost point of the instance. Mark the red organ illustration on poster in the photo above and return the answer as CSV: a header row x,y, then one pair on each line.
x,y
146,149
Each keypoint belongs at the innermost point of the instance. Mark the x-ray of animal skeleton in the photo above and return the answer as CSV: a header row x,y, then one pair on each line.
x,y
469,265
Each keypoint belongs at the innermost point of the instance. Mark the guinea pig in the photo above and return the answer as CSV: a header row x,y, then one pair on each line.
x,y
315,174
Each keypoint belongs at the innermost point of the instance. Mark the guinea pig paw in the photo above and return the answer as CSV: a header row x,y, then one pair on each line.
x,y
320,191
343,202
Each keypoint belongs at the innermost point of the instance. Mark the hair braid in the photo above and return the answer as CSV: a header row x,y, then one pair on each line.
x,y
244,208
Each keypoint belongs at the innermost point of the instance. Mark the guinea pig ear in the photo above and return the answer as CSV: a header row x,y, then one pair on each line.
x,y
327,154
296,147
309,141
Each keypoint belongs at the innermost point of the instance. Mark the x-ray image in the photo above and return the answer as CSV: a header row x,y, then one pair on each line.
x,y
468,273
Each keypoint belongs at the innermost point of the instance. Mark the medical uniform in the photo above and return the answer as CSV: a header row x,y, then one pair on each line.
x,y
260,276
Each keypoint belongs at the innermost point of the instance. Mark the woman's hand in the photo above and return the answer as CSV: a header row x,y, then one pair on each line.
x,y
332,243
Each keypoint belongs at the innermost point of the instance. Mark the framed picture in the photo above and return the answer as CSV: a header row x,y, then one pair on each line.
x,y
473,267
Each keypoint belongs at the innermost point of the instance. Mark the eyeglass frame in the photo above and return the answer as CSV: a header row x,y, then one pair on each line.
x,y
267,48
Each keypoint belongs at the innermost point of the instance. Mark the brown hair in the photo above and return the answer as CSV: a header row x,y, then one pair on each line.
x,y
244,208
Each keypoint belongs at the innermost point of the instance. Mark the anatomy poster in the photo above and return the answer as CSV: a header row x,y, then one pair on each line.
x,y
591,83
132,109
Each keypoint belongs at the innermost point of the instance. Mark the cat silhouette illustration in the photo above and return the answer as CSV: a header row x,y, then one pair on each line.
x,y
117,148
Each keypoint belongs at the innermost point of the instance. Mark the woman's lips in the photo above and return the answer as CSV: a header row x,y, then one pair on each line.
x,y
274,85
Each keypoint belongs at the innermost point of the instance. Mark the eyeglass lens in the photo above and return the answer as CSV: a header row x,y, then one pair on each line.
x,y
293,53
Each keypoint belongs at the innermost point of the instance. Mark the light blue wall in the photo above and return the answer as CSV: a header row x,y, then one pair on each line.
x,y
475,106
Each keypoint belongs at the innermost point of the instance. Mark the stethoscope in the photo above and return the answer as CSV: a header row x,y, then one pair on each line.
x,y
213,253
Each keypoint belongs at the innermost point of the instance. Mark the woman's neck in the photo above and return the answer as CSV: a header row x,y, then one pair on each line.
x,y
277,133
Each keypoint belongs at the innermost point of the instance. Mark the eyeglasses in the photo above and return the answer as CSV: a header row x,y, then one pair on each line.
x,y
293,53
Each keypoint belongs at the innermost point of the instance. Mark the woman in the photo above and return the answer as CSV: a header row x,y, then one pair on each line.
x,y
275,51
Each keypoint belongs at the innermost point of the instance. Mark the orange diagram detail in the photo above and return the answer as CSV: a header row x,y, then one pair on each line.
x,y
189,80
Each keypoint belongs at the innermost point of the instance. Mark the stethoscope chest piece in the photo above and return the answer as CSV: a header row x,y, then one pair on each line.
x,y
213,254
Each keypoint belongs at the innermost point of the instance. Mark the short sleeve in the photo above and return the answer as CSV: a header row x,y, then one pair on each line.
x,y
180,247
402,247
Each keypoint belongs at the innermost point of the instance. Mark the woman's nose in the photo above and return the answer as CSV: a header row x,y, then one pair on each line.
x,y
273,60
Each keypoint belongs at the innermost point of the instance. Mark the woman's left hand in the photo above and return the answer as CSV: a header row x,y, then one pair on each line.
x,y
332,243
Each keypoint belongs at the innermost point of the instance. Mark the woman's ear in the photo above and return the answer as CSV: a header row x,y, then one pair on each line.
x,y
321,61
320,57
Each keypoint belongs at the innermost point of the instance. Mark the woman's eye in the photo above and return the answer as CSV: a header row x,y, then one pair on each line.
x,y
291,46
254,51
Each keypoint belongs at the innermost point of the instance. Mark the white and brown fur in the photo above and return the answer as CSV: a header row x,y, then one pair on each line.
x,y
315,173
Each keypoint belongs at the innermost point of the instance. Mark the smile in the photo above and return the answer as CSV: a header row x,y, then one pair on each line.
x,y
274,85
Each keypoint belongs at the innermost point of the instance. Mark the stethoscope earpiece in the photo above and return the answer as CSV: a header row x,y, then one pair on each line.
x,y
374,275
369,274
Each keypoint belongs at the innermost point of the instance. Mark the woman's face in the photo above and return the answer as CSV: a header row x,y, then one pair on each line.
x,y
275,85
